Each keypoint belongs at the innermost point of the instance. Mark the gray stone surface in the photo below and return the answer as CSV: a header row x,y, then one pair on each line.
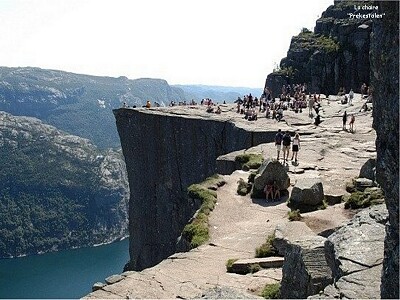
x,y
384,56
222,292
368,169
308,191
242,266
358,245
287,233
305,271
226,164
362,183
114,278
355,255
98,286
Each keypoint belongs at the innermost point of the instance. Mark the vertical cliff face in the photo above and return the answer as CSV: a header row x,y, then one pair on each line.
x,y
335,55
164,154
385,81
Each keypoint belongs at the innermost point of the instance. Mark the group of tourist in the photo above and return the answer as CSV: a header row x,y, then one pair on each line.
x,y
272,191
182,103
283,142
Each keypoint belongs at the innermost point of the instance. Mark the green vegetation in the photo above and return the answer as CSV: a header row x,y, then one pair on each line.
x,y
249,160
51,199
285,71
350,187
229,264
267,249
327,44
243,187
294,215
271,291
251,177
196,233
369,197
324,204
312,41
251,268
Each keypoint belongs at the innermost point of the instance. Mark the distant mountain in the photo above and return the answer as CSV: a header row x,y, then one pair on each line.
x,y
57,191
217,93
78,104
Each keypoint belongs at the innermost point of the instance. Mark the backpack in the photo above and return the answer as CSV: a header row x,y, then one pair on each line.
x,y
286,140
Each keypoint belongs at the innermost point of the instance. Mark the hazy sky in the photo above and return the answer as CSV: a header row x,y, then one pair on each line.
x,y
216,42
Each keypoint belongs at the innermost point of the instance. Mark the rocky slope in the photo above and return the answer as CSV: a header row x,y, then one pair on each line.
x,y
238,224
385,80
57,191
335,55
75,103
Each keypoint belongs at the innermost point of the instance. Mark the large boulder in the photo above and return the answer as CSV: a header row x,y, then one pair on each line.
x,y
290,232
355,255
384,58
368,169
362,183
271,170
307,194
305,271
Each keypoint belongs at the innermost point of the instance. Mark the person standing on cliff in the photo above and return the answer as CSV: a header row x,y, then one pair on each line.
x,y
344,120
351,123
311,102
278,142
286,140
351,96
295,146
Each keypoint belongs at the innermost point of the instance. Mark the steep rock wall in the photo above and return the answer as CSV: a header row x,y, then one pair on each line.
x,y
164,154
385,81
335,55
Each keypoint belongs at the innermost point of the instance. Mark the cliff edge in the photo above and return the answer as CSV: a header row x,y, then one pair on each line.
x,y
166,150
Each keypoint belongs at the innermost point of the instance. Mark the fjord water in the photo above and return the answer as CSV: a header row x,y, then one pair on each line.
x,y
64,274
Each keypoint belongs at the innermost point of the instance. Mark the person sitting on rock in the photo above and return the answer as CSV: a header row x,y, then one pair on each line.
x,y
276,191
269,190
148,104
218,111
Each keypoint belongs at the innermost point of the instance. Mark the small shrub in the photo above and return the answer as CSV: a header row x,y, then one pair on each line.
x,y
324,204
243,187
364,199
253,268
251,177
267,249
350,187
229,264
294,215
271,291
249,160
